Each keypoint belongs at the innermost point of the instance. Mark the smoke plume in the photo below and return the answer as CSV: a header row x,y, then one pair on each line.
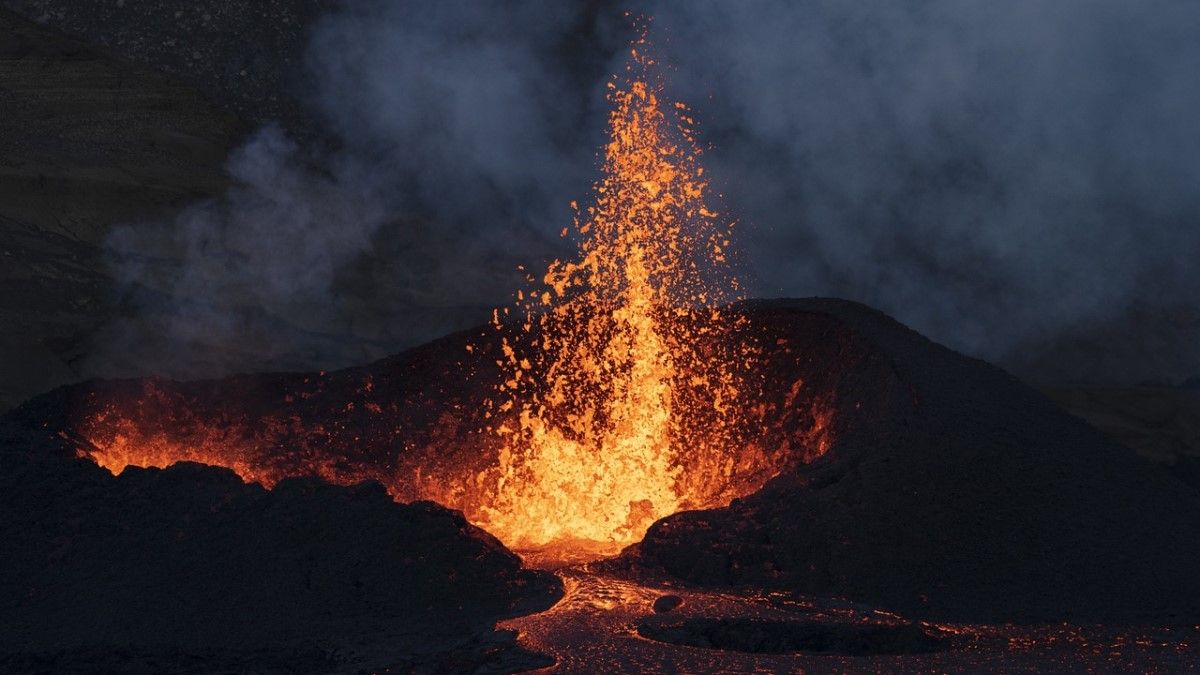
x,y
1008,178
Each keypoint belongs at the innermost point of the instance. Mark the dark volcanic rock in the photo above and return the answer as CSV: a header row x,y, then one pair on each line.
x,y
763,636
952,491
99,569
667,603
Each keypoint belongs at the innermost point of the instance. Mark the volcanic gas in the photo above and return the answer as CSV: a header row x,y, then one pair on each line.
x,y
621,386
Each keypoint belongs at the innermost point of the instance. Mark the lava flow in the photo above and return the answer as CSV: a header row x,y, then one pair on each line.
x,y
624,385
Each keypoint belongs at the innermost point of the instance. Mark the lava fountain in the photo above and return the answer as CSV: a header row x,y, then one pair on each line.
x,y
620,387
625,364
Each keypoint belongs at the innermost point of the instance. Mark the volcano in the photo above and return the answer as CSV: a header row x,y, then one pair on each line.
x,y
953,491
904,475
631,467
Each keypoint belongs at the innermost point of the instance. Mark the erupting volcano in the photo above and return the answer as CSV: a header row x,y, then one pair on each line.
x,y
619,370
620,377
633,466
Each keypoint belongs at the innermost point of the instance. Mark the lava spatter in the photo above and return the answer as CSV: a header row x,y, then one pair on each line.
x,y
620,408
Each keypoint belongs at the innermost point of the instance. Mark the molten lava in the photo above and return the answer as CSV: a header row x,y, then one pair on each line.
x,y
625,387
605,440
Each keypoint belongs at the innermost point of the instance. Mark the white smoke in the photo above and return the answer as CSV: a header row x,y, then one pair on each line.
x,y
1001,176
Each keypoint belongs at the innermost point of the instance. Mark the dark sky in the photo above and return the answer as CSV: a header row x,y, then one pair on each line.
x,y
1009,178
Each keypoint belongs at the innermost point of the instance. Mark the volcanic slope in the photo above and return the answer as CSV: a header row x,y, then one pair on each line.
x,y
951,491
909,476
191,569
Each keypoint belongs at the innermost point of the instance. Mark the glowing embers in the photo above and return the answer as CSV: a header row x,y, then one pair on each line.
x,y
620,406
158,428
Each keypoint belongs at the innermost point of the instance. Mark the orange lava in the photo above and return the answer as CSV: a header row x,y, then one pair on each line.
x,y
625,392
623,417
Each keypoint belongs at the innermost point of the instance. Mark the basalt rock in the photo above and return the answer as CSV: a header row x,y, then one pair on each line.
x,y
152,564
952,491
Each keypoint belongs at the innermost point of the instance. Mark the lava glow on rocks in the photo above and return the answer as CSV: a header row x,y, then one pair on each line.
x,y
616,391
604,442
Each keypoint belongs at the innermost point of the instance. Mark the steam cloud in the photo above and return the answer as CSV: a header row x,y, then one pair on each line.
x,y
994,174
1000,176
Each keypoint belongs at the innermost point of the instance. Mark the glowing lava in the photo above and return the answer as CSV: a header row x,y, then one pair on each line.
x,y
627,389
611,401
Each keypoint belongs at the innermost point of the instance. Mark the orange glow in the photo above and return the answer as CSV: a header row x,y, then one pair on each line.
x,y
606,438
626,388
